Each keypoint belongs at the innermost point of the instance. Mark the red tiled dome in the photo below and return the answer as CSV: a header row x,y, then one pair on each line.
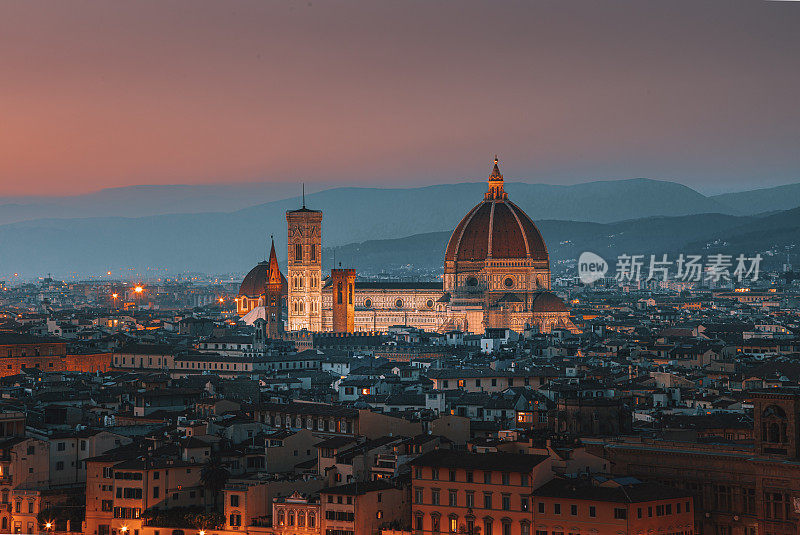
x,y
496,228
255,282
548,302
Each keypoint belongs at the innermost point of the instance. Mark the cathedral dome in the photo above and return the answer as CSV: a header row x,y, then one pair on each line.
x,y
548,302
255,282
496,228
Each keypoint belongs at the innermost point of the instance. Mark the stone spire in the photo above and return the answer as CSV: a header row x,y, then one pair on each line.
x,y
274,274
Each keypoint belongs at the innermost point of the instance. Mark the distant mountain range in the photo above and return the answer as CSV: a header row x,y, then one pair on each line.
x,y
599,216
702,234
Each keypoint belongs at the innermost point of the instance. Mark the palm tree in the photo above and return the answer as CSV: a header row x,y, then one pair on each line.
x,y
214,475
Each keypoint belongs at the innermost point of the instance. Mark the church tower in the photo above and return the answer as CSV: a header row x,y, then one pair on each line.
x,y
344,312
273,308
304,241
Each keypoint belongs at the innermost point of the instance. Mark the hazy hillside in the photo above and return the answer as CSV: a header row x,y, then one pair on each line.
x,y
234,241
592,201
140,201
566,240
760,200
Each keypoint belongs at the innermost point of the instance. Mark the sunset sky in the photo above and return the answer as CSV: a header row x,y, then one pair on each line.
x,y
97,94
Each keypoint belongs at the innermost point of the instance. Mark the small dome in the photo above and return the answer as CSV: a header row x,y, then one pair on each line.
x,y
548,302
255,282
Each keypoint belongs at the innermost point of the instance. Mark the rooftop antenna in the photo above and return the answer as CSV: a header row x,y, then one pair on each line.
x,y
304,194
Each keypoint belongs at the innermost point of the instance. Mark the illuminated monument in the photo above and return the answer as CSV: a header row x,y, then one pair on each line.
x,y
496,275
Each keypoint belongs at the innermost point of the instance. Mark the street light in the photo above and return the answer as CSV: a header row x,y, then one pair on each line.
x,y
48,525
138,289
124,529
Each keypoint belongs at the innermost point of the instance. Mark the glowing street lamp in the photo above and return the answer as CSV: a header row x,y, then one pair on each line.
x,y
48,525
138,289
124,529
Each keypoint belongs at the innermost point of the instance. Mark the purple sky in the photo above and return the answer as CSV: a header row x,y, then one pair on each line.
x,y
112,93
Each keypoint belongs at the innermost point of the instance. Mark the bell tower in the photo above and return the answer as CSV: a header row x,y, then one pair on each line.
x,y
304,239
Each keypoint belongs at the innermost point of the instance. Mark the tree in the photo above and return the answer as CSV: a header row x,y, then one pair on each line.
x,y
214,476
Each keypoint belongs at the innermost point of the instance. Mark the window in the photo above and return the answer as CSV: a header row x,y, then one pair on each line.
x,y
506,528
298,253
592,511
556,508
312,520
313,252
417,495
469,476
487,500
723,497
435,524
505,502
435,474
573,510
156,490
234,500
638,512
453,524
434,496
470,501
487,526
748,501
620,513
60,465
523,503
487,478
525,528
505,478
61,446
523,480
452,500
776,505
540,507
418,523
452,475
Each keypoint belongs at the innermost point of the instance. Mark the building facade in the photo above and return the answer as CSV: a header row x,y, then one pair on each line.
x,y
304,239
